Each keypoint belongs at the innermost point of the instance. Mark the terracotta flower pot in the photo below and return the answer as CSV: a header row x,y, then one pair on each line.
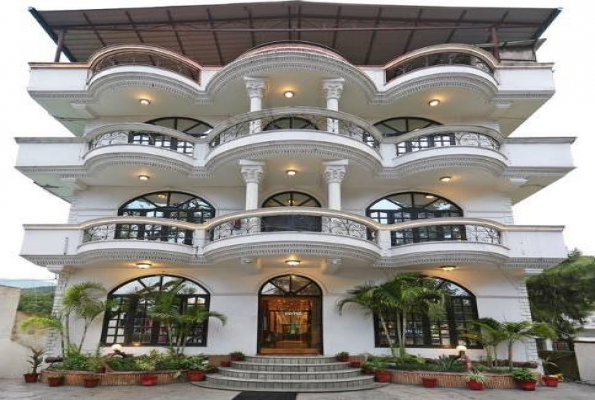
x,y
55,381
195,375
383,376
429,382
148,380
226,363
474,385
551,381
237,358
31,378
343,358
527,385
355,364
91,382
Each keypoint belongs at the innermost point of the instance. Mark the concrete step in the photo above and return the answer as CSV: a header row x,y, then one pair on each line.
x,y
283,376
219,381
291,359
318,367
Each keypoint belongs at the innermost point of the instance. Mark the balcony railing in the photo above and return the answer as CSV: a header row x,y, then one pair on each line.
x,y
142,135
446,136
289,219
296,118
442,231
152,56
167,231
441,55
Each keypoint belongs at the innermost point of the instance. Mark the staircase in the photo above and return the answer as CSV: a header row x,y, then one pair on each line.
x,y
289,374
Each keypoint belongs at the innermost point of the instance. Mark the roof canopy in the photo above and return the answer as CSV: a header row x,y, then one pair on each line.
x,y
365,34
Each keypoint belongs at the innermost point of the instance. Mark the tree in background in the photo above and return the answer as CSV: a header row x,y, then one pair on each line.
x,y
38,300
564,296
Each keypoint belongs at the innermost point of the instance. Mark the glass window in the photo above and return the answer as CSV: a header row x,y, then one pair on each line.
x,y
290,123
291,285
400,125
128,321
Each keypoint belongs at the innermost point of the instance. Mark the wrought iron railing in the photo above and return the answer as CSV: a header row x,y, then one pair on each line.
x,y
437,59
446,139
145,56
296,118
291,223
138,231
142,138
441,233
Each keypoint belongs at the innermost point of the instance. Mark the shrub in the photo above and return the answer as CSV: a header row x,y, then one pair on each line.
x,y
123,364
523,375
477,377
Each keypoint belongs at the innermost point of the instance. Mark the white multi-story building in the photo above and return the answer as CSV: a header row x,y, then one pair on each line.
x,y
276,155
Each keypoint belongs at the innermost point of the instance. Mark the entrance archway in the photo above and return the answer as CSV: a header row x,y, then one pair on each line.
x,y
290,316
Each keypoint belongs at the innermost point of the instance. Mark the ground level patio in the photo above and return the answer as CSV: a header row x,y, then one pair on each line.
x,y
16,389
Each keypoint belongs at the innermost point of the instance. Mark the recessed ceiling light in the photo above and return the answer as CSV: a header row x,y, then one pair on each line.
x,y
291,172
145,102
446,179
162,195
434,102
293,263
448,267
144,178
143,265
288,94
429,196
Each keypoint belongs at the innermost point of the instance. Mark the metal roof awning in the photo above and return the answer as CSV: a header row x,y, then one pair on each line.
x,y
365,34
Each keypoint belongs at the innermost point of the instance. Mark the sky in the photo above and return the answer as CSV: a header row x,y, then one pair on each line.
x,y
569,45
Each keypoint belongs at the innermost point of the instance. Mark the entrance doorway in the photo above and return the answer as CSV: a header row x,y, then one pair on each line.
x,y
290,316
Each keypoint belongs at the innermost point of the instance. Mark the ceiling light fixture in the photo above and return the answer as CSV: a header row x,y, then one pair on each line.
x,y
293,263
144,178
288,94
144,265
145,102
446,179
291,172
448,268
430,197
434,102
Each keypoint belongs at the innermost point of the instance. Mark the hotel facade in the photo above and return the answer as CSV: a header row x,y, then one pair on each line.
x,y
275,155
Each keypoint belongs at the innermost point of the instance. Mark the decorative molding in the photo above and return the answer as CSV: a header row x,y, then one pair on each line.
x,y
256,87
493,166
252,171
334,171
333,88
453,256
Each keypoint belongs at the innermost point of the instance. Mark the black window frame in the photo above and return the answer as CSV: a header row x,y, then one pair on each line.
x,y
155,330
408,121
425,326
169,142
291,223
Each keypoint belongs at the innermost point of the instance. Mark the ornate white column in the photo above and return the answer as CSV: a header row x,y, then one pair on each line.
x,y
332,90
334,172
253,172
256,88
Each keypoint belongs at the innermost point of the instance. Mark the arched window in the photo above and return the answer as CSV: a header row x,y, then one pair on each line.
x,y
192,127
293,223
409,206
290,123
448,331
128,321
171,205
398,126
290,285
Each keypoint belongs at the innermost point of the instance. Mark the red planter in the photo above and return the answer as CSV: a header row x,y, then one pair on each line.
x,y
195,375
551,381
342,358
55,381
236,358
148,380
226,363
368,371
527,385
474,385
91,382
429,382
355,364
383,376
31,378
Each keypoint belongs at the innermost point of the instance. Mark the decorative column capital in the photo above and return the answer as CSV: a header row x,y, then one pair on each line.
x,y
333,88
255,87
252,171
334,171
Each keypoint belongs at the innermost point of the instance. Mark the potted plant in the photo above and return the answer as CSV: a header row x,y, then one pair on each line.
x,y
524,379
196,366
237,356
56,380
147,364
476,380
355,364
551,380
35,359
211,369
91,380
381,374
367,368
343,356
429,382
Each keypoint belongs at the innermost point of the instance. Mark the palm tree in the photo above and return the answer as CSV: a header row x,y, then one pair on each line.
x,y
45,323
490,334
396,298
523,330
84,301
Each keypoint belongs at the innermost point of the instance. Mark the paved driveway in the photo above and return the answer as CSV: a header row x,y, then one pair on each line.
x,y
12,389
